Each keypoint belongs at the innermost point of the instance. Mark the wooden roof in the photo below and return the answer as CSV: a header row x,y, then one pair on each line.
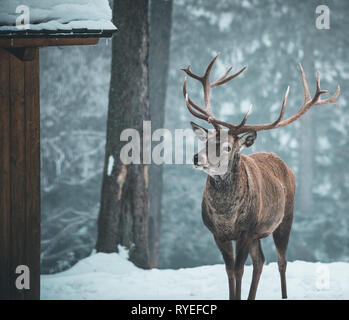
x,y
74,33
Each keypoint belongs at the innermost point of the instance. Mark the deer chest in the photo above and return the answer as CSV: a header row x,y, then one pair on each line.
x,y
226,220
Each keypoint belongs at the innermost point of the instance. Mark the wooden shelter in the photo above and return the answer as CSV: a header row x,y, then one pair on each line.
x,y
20,129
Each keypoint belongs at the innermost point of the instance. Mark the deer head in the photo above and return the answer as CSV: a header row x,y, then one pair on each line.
x,y
222,148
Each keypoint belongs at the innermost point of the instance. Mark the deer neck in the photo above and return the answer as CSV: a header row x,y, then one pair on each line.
x,y
229,187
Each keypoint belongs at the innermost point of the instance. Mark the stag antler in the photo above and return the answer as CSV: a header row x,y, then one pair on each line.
x,y
307,104
241,128
206,114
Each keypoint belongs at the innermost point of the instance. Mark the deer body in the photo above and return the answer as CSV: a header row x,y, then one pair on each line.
x,y
255,198
246,197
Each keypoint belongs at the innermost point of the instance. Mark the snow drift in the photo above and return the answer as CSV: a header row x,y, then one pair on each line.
x,y
112,276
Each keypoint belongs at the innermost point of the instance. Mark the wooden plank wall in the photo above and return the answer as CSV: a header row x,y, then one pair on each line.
x,y
19,174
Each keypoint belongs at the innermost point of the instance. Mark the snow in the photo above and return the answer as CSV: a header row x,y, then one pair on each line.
x,y
58,14
110,165
112,276
225,21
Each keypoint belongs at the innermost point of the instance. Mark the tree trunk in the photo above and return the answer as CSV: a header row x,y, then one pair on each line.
x,y
306,146
160,35
123,217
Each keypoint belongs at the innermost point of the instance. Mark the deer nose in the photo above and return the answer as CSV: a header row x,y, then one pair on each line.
x,y
196,159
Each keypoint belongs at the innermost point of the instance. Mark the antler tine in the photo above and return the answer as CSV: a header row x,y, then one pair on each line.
x,y
284,102
318,92
242,123
307,95
331,100
223,79
206,83
318,81
209,68
192,103
190,74
212,85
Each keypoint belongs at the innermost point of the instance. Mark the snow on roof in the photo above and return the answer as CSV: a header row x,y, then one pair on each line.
x,y
54,15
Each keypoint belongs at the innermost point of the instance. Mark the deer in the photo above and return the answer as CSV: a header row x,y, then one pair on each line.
x,y
252,197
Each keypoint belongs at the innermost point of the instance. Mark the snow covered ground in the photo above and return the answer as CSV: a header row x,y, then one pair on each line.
x,y
112,276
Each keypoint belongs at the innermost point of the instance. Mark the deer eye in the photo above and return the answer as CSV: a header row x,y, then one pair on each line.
x,y
226,147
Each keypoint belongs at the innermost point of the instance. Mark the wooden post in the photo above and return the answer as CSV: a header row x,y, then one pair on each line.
x,y
20,159
19,173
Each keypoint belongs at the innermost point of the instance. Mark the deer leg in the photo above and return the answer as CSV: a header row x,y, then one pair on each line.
x,y
242,249
281,236
226,248
258,261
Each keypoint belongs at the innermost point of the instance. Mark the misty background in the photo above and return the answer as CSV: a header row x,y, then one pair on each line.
x,y
271,37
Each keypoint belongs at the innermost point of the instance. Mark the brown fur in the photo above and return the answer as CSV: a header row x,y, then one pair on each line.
x,y
252,202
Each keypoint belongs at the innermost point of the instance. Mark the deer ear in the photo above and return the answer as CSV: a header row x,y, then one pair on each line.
x,y
248,139
199,131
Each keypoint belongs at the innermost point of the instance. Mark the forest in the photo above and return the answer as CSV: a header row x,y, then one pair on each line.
x,y
272,37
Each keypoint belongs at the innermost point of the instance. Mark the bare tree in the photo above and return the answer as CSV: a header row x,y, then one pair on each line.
x,y
123,217
159,51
